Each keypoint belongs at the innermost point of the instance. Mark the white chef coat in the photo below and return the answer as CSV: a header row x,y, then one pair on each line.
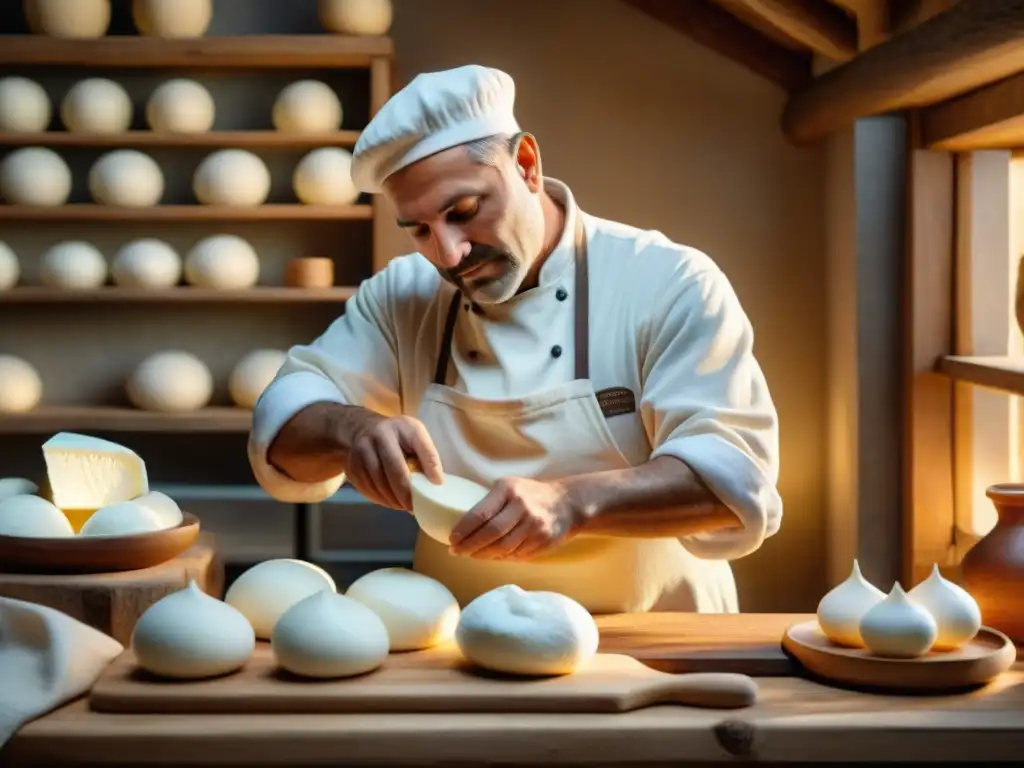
x,y
664,322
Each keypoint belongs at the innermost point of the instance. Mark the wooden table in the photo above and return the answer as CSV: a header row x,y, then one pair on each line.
x,y
113,602
795,720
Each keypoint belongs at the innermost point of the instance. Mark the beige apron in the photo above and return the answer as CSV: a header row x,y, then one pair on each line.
x,y
553,433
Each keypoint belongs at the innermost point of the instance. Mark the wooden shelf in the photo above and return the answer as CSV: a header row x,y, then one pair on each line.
x,y
211,139
246,51
32,294
1005,374
48,419
268,212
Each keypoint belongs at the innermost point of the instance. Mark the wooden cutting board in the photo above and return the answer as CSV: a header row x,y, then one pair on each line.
x,y
744,643
436,680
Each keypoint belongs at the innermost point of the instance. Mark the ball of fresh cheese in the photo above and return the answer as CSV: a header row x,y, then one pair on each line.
x,y
74,265
68,18
439,507
21,388
180,106
24,106
172,18
163,506
234,177
125,518
324,177
222,262
307,106
33,517
10,267
35,176
264,592
170,382
126,177
356,17
418,611
96,105
253,374
517,632
17,486
146,263
327,635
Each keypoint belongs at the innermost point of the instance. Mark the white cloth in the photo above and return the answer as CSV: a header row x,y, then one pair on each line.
x,y
47,658
436,111
664,322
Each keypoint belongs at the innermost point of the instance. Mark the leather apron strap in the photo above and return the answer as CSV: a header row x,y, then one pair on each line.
x,y
581,332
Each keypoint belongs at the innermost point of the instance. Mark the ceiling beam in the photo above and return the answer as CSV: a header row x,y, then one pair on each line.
x,y
971,45
817,24
988,118
710,26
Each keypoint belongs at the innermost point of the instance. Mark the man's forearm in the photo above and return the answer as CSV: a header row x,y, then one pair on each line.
x,y
663,497
313,445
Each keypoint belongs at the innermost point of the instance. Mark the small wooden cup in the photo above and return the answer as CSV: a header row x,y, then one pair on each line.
x,y
309,272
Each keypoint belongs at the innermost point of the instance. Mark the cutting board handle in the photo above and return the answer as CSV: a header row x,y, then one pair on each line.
x,y
712,690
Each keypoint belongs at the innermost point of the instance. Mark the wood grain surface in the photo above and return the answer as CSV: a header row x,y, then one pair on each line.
x,y
113,602
434,680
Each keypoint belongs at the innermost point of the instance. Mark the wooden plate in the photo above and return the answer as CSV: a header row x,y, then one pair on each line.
x,y
97,554
978,662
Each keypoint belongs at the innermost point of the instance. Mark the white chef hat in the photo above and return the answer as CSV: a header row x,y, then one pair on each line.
x,y
436,111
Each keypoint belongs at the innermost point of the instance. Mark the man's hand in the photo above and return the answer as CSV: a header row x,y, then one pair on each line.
x,y
378,460
517,520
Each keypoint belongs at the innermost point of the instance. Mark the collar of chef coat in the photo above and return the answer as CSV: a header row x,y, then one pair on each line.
x,y
559,264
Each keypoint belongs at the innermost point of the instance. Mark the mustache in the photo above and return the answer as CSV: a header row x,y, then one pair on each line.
x,y
478,254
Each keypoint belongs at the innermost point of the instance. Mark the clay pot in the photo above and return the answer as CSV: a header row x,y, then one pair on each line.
x,y
993,570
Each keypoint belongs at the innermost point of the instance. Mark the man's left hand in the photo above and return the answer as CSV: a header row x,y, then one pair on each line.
x,y
517,520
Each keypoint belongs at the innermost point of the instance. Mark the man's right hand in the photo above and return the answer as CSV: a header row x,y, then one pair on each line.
x,y
379,455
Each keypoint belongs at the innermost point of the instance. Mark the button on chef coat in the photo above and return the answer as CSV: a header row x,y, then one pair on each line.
x,y
664,323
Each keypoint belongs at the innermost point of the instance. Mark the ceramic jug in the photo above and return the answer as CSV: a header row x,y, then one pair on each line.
x,y
993,570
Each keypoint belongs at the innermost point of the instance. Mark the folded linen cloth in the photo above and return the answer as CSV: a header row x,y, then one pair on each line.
x,y
47,658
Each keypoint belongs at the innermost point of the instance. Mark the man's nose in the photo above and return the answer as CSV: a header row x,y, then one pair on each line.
x,y
452,248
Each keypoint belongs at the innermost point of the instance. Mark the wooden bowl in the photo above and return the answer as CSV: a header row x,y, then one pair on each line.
x,y
976,663
97,554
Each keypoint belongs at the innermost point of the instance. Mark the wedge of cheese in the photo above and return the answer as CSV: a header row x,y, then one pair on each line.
x,y
86,473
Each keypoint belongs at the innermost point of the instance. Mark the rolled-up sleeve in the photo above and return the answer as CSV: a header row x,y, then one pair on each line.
x,y
354,362
706,402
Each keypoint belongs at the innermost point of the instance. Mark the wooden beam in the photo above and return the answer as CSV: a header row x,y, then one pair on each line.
x,y
718,30
907,14
972,44
817,24
988,118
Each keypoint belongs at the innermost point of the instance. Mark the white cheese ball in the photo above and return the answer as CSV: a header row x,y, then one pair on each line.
x,y
327,635
517,632
180,106
128,178
222,262
24,106
73,264
264,592
232,177
16,486
21,388
96,105
163,506
68,18
307,106
35,176
170,382
172,18
253,374
418,611
356,17
146,263
125,518
33,517
324,177
10,267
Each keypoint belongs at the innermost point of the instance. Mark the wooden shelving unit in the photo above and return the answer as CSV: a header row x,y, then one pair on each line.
x,y
253,56
1005,374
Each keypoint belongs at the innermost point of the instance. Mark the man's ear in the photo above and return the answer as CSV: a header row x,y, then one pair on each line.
x,y
526,156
